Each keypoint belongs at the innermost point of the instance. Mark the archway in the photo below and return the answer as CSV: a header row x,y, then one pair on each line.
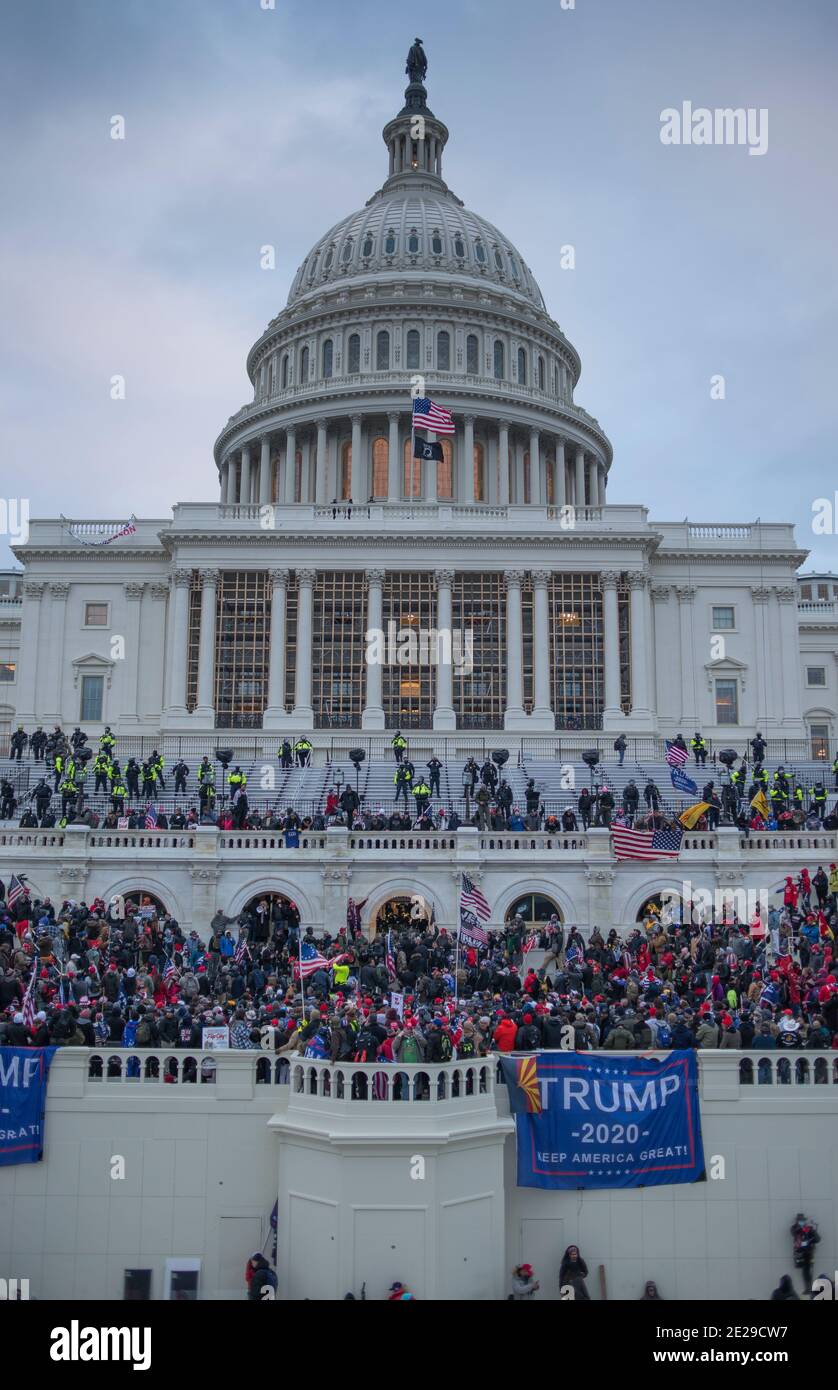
x,y
143,904
396,913
270,911
535,908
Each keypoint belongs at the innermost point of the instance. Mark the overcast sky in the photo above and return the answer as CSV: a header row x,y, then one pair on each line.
x,y
247,126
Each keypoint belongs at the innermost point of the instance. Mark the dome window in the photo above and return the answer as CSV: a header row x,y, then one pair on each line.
x,y
499,260
480,252
330,256
382,351
346,254
284,371
436,244
542,379
312,270
472,360
515,271
413,242
390,243
413,346
459,248
443,352
328,357
367,248
522,367
354,353
304,366
500,365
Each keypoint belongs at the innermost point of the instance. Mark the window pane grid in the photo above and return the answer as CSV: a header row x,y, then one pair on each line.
x,y
338,651
576,667
408,691
243,625
479,609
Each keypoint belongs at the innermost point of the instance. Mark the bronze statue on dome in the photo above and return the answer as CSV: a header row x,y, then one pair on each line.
x,y
417,64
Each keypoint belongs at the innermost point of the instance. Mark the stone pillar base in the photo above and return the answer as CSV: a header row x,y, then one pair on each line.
x,y
204,714
445,718
373,718
176,717
515,718
542,719
301,720
275,718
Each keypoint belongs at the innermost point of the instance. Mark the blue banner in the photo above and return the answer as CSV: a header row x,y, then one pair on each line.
x,y
681,782
590,1120
23,1098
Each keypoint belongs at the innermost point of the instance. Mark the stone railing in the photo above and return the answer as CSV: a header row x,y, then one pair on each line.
x,y
347,1084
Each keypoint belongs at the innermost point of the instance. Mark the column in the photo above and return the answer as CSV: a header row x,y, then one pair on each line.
x,y
590,472
559,481
274,716
289,487
321,494
608,581
792,703
245,488
373,713
305,472
303,712
265,489
394,462
579,495
356,487
176,703
205,710
444,713
689,702
542,716
224,481
600,478
639,585
468,458
535,467
514,717
130,666
503,464
31,623
57,627
518,454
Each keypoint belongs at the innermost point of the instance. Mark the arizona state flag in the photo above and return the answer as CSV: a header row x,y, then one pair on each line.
x,y
693,814
760,804
425,449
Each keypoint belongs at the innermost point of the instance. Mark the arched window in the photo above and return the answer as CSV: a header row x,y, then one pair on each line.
x,y
390,242
328,357
354,353
445,472
413,345
536,910
459,248
541,376
304,366
443,352
284,377
346,253
500,366
345,489
436,244
472,355
498,260
330,256
479,473
313,267
413,242
382,351
480,252
411,473
514,265
367,248
522,367
380,455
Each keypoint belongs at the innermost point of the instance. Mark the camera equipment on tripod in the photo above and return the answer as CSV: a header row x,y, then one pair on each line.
x,y
224,756
728,756
500,756
591,757
357,756
83,755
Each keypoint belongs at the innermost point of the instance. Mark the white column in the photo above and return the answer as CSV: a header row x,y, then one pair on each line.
x,y
542,715
608,580
322,494
180,633
639,644
373,713
274,716
305,472
590,472
130,666
579,495
29,695
689,701
394,462
444,714
265,471
468,458
535,467
204,709
518,450
514,717
600,484
356,487
245,488
792,703
223,481
290,467
503,463
303,712
559,480
57,628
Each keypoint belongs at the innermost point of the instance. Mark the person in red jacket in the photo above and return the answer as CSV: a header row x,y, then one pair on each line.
x,y
504,1034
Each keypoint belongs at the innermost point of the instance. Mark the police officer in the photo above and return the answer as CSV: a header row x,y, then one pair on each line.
x,y
761,776
819,798
402,779
758,747
434,769
398,743
7,799
42,796
489,774
18,743
421,796
78,739
835,771
69,792
798,797
206,772
58,768
181,772
156,761
149,778
102,770
778,799
107,742
132,778
237,781
37,743
302,748
738,777
206,794
285,755
474,772
699,748
118,794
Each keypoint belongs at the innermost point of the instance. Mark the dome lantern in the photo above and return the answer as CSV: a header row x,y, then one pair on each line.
x,y
415,138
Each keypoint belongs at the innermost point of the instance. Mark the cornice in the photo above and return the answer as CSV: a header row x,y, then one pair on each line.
x,y
102,553
404,539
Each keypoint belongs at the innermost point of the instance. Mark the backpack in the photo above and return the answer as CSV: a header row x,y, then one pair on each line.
x,y
144,1034
664,1035
445,1048
410,1051
366,1047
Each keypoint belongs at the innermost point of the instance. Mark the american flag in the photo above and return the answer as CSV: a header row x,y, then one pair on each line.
x,y
29,1002
17,888
389,958
427,415
676,756
473,905
646,844
473,900
241,949
168,969
309,961
150,818
530,943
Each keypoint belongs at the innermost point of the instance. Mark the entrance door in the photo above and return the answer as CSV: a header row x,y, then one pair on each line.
x,y
542,1246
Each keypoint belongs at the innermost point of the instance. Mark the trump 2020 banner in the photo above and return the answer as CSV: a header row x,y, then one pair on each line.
x,y
23,1098
585,1120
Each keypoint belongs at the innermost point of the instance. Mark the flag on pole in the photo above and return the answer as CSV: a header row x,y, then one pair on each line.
x,y
241,948
760,803
646,844
17,888
693,814
150,821
168,969
29,1002
530,943
472,898
428,450
681,782
676,756
310,960
473,907
389,958
427,415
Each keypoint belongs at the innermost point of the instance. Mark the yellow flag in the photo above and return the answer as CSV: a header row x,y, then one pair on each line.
x,y
760,804
693,814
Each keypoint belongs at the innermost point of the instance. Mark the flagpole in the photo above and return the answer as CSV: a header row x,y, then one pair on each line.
x,y
412,447
302,981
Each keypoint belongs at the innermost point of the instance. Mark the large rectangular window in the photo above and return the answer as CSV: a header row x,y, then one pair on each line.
x,y
577,664
408,686
243,626
193,637
816,675
338,653
92,696
479,621
8,671
727,702
724,619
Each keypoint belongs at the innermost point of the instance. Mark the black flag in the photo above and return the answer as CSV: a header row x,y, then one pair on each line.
x,y
423,449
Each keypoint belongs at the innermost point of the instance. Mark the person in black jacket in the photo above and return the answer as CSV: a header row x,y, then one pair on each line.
x,y
573,1272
